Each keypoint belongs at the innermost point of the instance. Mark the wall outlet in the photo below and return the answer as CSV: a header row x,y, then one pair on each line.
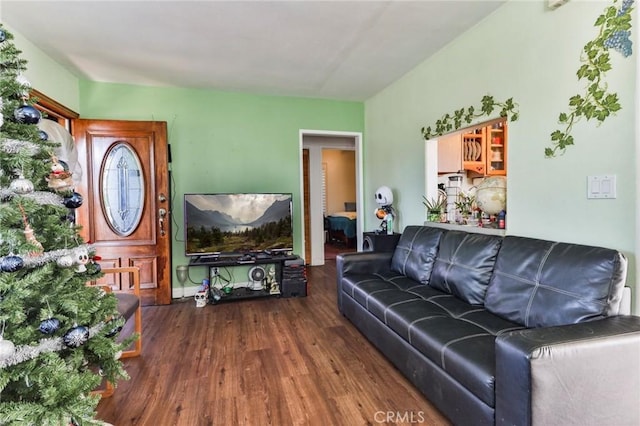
x,y
214,271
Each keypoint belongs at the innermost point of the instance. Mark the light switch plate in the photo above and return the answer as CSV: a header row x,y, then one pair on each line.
x,y
603,186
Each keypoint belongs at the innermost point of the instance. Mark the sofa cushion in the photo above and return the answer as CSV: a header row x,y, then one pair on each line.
x,y
456,336
464,265
463,349
415,252
361,286
540,283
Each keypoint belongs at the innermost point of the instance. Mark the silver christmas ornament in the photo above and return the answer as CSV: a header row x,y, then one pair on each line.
x,y
26,85
21,185
7,349
65,261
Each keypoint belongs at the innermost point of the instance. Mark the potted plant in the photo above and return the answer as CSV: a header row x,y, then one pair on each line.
x,y
465,205
435,207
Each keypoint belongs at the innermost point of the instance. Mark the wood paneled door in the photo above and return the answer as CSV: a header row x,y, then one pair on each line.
x,y
125,185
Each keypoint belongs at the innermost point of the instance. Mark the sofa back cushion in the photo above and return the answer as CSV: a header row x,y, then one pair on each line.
x,y
540,283
415,252
464,265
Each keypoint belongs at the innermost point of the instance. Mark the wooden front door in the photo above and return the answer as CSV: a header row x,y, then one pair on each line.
x,y
125,185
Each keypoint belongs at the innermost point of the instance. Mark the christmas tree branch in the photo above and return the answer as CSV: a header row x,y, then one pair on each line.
x,y
13,146
40,197
52,256
26,352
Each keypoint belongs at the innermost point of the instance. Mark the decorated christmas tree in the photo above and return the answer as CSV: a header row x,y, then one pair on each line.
x,y
57,334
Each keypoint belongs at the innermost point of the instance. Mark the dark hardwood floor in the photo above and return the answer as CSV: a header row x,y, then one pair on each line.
x,y
332,250
274,361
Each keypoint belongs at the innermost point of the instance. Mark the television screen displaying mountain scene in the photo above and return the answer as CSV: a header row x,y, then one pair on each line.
x,y
237,223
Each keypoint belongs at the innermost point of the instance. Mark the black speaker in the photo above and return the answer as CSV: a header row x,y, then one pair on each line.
x,y
294,288
383,243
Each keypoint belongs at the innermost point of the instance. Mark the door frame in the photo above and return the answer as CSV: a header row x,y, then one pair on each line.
x,y
316,233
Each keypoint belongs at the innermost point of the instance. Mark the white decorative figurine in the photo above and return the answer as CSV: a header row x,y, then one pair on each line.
x,y
60,178
201,299
385,211
67,150
272,284
81,259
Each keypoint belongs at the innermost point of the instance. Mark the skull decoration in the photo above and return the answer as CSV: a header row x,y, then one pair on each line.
x,y
81,259
385,210
384,196
201,299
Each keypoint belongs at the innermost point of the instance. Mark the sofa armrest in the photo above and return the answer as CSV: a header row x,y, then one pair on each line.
x,y
360,263
586,373
363,262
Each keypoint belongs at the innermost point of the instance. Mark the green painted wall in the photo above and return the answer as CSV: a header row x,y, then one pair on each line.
x,y
223,141
48,76
528,52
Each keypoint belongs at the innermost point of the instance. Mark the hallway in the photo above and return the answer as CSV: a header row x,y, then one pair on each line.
x,y
331,250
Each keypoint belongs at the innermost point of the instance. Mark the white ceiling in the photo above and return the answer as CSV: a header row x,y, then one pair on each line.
x,y
346,50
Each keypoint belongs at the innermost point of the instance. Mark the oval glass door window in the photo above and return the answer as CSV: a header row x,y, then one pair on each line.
x,y
122,184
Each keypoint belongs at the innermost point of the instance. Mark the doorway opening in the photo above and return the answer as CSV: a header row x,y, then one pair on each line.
x,y
314,144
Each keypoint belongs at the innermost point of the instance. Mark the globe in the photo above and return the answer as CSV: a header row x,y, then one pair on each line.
x,y
491,194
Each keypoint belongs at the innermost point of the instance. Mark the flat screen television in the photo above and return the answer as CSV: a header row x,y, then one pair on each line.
x,y
237,223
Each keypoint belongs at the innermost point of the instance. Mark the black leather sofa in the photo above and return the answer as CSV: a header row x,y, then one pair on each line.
x,y
501,330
